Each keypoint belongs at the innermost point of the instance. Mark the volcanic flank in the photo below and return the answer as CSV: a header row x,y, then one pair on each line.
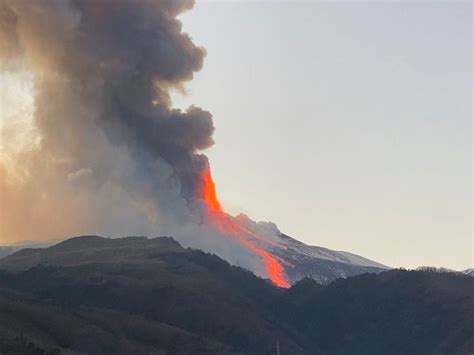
x,y
229,226
110,154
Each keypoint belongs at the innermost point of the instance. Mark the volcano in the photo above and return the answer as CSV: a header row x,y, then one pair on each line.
x,y
113,154
281,259
285,260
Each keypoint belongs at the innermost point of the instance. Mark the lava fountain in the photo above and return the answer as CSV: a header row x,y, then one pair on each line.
x,y
227,225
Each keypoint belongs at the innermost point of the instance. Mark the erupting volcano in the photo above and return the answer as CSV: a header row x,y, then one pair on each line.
x,y
111,153
226,224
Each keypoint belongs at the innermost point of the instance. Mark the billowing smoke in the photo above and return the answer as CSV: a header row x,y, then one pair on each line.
x,y
108,154
101,74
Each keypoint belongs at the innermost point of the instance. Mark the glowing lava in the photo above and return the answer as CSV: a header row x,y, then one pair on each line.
x,y
226,224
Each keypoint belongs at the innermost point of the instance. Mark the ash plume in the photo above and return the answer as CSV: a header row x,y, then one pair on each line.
x,y
113,155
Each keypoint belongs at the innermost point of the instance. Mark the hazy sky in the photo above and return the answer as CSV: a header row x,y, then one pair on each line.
x,y
348,124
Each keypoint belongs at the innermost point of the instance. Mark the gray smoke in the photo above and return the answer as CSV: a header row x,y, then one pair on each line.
x,y
113,155
108,66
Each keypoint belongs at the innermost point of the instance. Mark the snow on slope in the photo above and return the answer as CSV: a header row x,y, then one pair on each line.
x,y
321,264
328,254
469,272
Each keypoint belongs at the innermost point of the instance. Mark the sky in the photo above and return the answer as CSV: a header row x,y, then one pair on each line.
x,y
348,124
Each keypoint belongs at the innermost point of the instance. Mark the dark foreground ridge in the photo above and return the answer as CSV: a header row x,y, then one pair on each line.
x,y
151,296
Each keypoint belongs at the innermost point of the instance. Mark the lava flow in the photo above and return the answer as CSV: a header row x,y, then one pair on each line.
x,y
227,225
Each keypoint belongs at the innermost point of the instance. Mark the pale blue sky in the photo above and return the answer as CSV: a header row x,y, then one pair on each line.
x,y
348,124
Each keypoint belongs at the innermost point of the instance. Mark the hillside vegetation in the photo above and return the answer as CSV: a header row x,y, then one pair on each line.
x,y
150,296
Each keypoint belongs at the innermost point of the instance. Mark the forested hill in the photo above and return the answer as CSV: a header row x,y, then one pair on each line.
x,y
150,296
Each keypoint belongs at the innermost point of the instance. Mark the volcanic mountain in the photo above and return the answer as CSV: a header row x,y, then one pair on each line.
x,y
96,295
285,260
322,264
301,261
276,256
111,152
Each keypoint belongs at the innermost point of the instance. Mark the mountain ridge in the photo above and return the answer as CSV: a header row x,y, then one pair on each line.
x,y
322,264
153,296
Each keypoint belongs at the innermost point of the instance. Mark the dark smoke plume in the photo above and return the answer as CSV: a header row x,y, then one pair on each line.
x,y
104,151
120,57
101,73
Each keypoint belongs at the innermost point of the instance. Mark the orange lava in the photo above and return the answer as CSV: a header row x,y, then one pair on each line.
x,y
209,193
227,225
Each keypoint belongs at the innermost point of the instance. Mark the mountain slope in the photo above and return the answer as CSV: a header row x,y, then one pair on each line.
x,y
7,250
322,264
158,280
469,272
118,296
10,249
394,312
